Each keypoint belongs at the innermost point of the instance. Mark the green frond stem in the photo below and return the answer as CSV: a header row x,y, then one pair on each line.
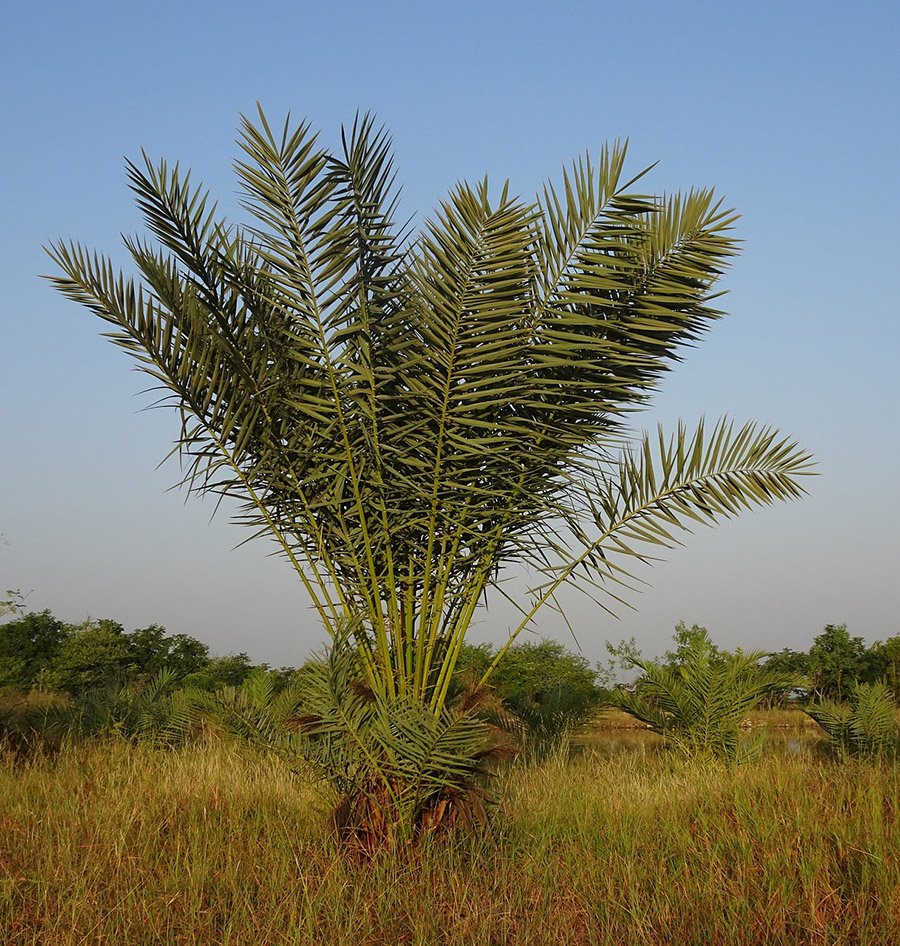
x,y
456,640
432,603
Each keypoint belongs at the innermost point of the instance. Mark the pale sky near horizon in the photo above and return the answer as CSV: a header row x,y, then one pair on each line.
x,y
789,109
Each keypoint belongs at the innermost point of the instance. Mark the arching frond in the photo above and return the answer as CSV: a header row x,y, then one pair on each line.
x,y
669,484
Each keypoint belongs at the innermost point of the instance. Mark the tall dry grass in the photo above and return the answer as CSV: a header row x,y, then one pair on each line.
x,y
127,845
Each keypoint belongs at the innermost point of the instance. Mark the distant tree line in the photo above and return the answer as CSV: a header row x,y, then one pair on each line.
x,y
40,651
832,667
540,681
63,681
837,662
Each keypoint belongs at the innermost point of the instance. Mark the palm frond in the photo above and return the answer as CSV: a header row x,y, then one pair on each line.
x,y
670,484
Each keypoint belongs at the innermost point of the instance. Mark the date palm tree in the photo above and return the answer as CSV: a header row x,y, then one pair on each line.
x,y
405,414
698,703
865,726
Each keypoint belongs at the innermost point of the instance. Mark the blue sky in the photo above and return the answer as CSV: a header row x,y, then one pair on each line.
x,y
789,109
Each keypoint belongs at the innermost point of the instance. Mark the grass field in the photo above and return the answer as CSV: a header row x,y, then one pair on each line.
x,y
128,845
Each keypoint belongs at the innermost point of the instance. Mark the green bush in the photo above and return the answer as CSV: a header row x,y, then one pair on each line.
x,y
550,691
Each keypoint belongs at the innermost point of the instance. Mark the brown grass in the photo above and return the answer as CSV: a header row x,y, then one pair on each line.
x,y
128,845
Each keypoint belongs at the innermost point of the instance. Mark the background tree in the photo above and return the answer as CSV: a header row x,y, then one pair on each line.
x,y
884,664
551,690
404,416
151,649
623,658
92,655
227,670
689,640
837,661
29,645
789,661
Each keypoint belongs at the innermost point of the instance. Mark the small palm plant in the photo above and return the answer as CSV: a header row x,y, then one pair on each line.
x,y
156,710
407,414
865,727
697,704
258,710
543,695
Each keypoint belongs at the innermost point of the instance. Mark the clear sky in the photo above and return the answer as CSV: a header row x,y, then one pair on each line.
x,y
790,109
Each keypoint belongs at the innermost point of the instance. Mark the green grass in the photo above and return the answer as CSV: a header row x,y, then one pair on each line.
x,y
127,845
